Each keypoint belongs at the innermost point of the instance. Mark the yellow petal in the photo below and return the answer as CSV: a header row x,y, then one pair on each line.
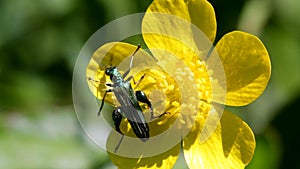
x,y
168,25
230,146
199,12
202,15
133,153
246,65
112,54
178,31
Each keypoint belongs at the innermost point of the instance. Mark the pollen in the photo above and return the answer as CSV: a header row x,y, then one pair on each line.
x,y
175,104
150,79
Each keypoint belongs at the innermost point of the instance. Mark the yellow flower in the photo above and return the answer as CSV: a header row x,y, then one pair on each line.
x,y
189,81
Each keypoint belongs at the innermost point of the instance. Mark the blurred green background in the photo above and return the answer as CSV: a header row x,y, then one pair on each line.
x,y
40,41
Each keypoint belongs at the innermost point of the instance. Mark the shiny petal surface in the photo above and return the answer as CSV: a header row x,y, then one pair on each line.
x,y
199,12
166,160
246,65
175,25
231,146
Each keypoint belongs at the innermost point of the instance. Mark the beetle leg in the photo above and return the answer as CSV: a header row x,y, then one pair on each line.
x,y
129,78
131,60
117,147
139,81
109,84
135,82
117,118
109,90
141,96
102,103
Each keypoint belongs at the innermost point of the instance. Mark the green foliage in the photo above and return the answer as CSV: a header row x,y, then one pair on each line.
x,y
40,41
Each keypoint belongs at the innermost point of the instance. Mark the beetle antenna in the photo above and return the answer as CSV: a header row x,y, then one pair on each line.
x,y
131,60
